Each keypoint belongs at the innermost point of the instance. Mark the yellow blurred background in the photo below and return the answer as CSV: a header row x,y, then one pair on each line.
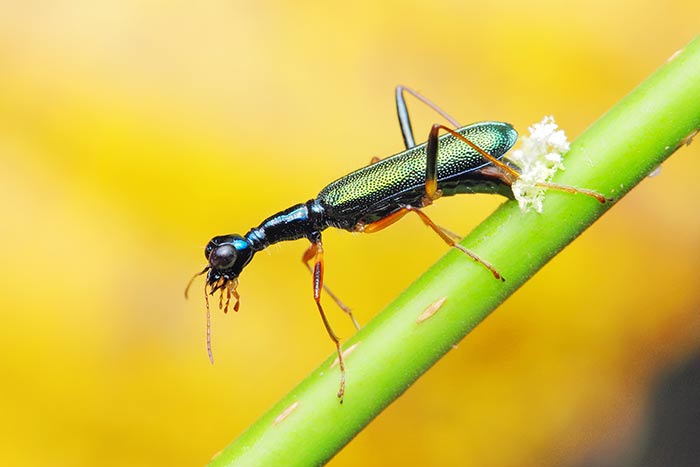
x,y
132,132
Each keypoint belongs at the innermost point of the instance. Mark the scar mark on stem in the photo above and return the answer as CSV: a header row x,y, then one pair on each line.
x,y
285,413
346,352
674,55
431,310
689,139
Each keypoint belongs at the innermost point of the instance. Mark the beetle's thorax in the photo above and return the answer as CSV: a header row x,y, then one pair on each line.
x,y
299,221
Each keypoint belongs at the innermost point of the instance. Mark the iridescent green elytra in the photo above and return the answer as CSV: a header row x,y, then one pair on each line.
x,y
373,192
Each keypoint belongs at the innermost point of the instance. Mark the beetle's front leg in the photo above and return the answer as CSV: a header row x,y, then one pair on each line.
x,y
315,251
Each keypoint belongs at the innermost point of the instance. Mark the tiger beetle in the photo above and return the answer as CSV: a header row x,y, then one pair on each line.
x,y
467,159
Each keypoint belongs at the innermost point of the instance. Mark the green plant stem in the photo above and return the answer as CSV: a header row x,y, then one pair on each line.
x,y
392,351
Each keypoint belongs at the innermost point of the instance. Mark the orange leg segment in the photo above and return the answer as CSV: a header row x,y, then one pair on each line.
x,y
383,223
510,173
308,256
448,237
315,251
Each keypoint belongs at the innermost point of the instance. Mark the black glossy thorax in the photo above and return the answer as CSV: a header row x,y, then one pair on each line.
x,y
305,220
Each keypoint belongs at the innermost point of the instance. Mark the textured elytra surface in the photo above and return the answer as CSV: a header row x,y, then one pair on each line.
x,y
374,191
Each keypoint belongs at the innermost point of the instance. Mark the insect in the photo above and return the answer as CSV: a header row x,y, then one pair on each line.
x,y
467,159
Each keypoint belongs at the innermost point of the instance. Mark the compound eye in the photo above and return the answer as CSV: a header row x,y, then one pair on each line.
x,y
207,251
223,257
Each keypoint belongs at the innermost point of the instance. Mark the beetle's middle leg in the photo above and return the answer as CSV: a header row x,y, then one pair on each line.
x,y
451,239
448,237
431,194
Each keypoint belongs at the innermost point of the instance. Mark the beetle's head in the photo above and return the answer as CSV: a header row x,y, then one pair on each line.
x,y
227,256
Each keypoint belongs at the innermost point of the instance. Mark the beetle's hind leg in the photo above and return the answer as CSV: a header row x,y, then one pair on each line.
x,y
508,179
405,119
505,173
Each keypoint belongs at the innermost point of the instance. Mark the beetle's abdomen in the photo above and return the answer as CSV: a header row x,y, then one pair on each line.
x,y
375,191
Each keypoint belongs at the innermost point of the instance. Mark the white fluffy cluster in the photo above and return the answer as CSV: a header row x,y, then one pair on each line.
x,y
539,158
